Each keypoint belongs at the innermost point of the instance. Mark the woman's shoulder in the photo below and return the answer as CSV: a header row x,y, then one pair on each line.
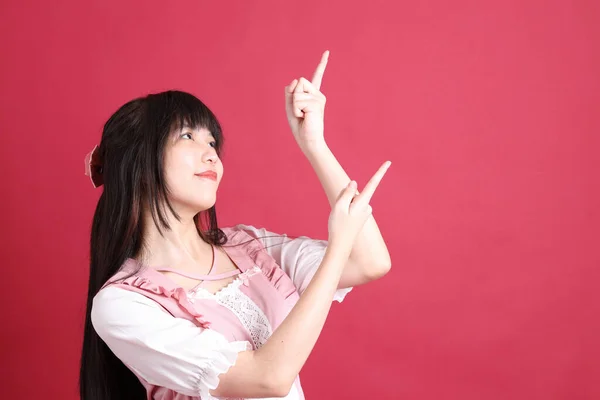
x,y
245,231
243,227
114,306
115,297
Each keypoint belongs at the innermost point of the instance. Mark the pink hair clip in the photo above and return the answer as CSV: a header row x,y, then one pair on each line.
x,y
93,167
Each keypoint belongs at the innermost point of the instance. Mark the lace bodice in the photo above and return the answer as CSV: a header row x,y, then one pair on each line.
x,y
231,297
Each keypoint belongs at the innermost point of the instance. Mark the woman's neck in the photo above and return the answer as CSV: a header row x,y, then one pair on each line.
x,y
182,246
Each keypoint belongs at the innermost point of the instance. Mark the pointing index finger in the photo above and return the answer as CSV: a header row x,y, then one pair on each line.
x,y
370,187
318,75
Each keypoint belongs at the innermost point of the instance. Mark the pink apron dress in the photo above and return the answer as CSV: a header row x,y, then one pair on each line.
x,y
248,309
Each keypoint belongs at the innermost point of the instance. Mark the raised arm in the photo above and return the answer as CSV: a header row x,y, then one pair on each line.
x,y
288,348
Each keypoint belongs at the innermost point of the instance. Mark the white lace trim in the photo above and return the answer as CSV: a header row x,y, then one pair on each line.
x,y
249,314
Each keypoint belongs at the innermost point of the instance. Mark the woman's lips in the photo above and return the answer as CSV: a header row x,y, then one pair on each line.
x,y
208,175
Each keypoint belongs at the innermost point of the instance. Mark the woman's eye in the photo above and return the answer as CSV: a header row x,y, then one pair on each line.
x,y
213,143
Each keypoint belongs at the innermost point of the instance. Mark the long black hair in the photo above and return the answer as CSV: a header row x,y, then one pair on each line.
x,y
131,151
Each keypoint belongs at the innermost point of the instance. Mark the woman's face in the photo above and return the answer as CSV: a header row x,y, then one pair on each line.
x,y
189,153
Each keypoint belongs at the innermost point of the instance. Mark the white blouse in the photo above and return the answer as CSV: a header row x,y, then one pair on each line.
x,y
174,352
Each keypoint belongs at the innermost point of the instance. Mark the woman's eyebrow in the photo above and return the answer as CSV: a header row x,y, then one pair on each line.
x,y
187,126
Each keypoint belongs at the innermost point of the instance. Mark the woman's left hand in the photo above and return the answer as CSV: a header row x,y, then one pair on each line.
x,y
305,107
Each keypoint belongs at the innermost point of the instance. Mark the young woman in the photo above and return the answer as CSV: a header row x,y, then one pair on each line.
x,y
179,308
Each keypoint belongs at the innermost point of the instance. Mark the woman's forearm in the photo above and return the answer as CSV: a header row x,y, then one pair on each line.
x,y
369,251
289,346
271,370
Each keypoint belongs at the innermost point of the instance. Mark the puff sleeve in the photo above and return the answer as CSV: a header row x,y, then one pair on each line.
x,y
298,257
165,351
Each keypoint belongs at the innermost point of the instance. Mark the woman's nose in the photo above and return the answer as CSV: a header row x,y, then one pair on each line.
x,y
211,157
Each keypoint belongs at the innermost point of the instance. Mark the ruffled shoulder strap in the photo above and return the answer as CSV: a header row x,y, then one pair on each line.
x,y
155,286
249,251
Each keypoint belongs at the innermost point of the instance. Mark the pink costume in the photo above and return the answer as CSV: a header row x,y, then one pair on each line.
x,y
177,342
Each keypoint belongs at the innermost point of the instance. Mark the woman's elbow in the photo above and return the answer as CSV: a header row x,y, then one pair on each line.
x,y
281,392
281,388
266,388
378,272
275,388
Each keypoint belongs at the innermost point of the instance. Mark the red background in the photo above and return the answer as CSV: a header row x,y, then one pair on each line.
x,y
488,110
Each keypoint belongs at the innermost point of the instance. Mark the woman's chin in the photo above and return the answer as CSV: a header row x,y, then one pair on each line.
x,y
205,205
199,202
205,208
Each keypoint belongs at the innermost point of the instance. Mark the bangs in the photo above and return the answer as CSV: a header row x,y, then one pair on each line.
x,y
187,111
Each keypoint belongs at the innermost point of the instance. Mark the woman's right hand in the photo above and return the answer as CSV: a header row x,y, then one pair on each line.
x,y
351,210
